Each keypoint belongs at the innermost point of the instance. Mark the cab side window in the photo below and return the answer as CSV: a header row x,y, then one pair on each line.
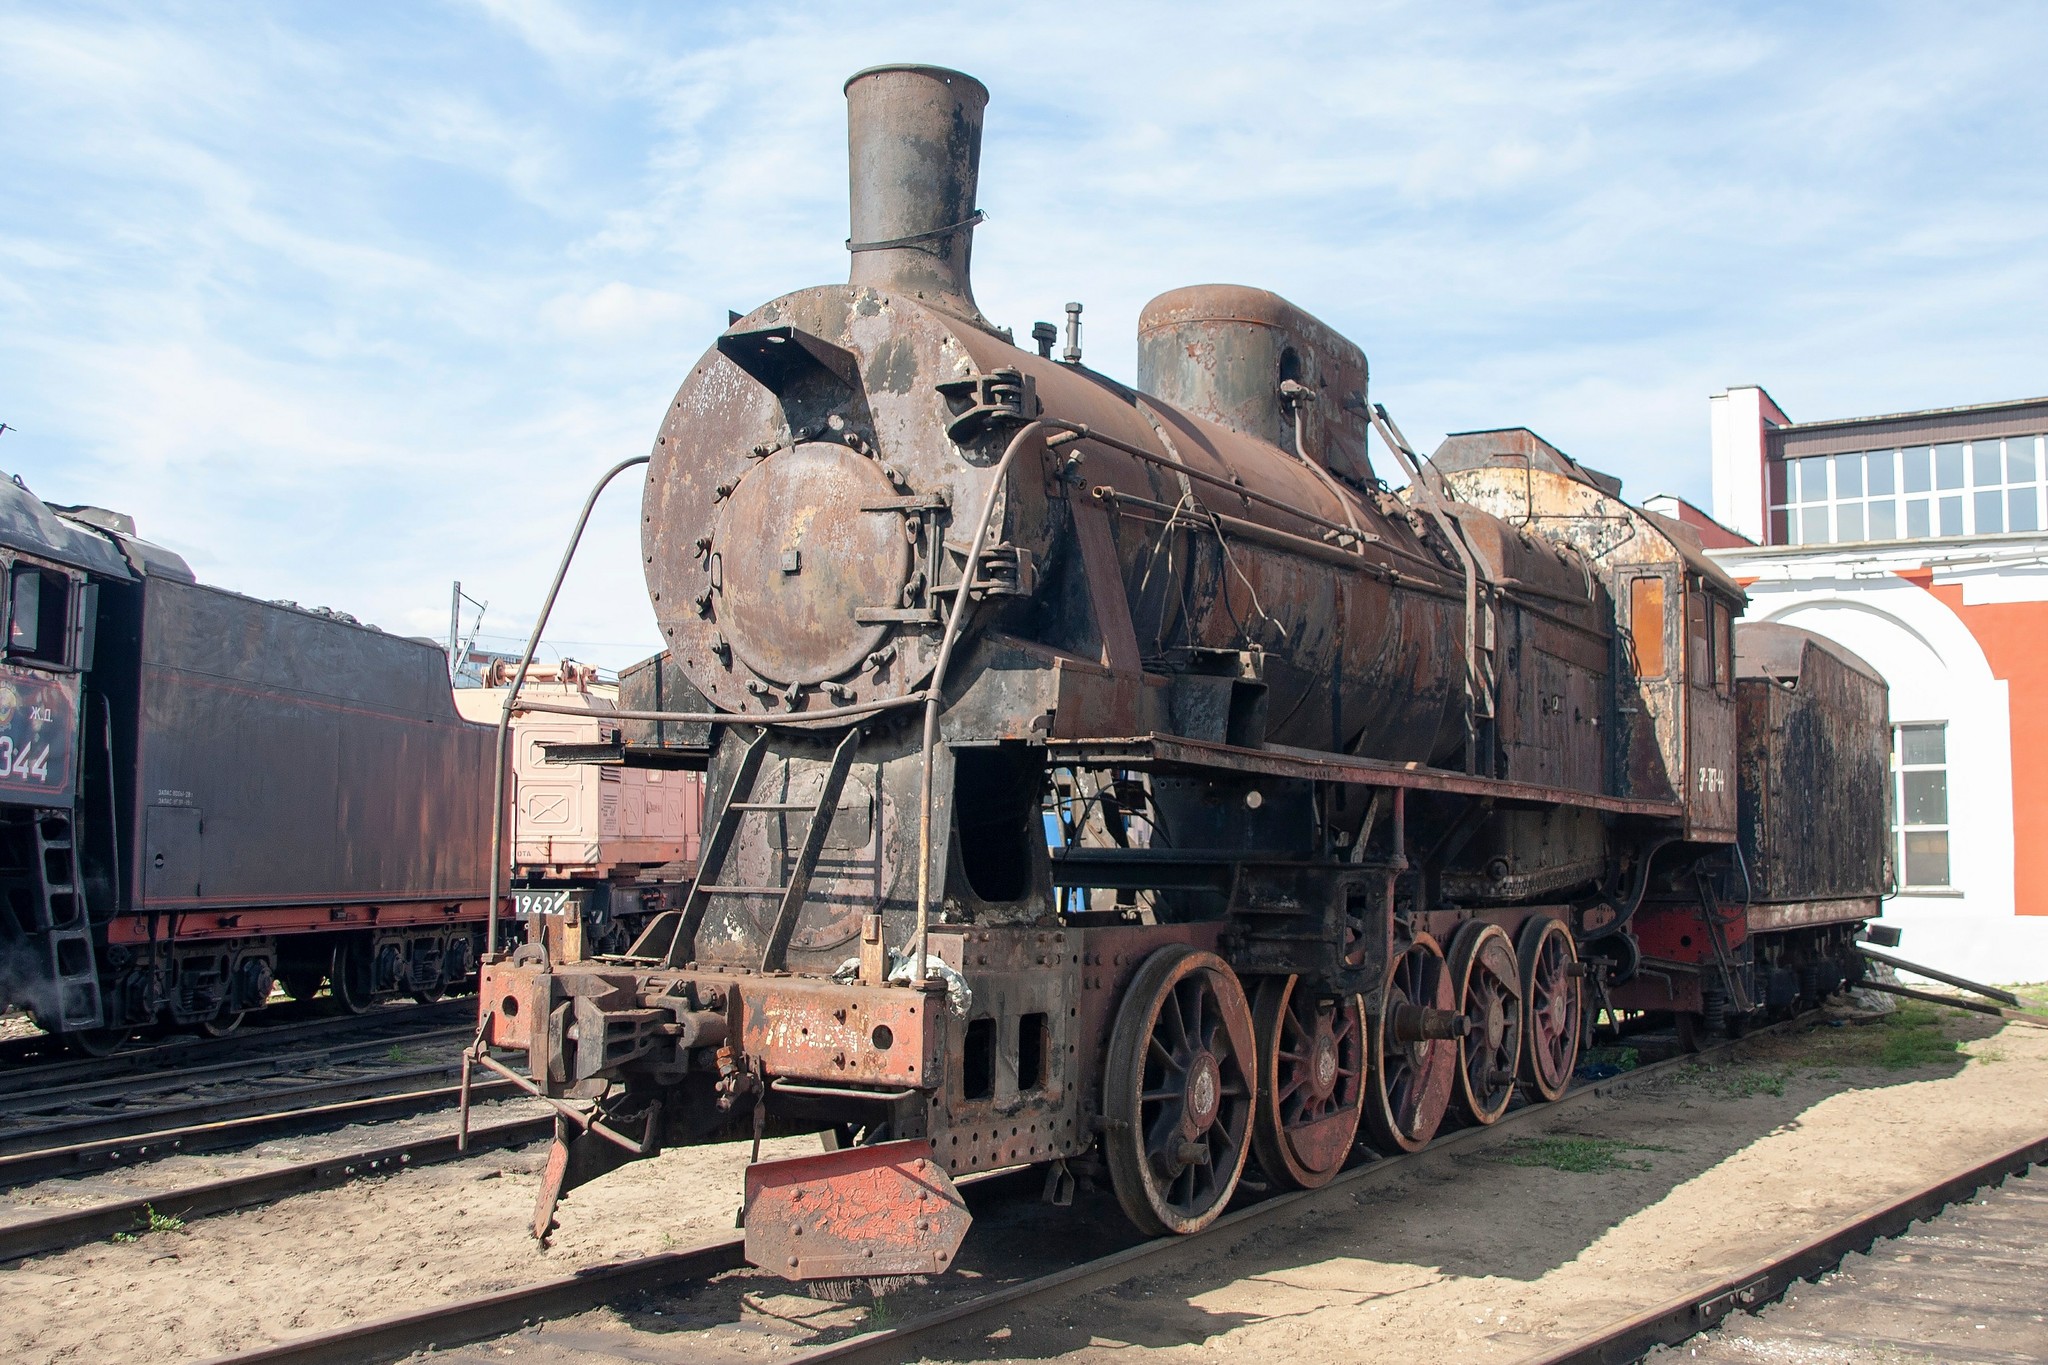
x,y
1646,625
38,614
1723,645
1699,660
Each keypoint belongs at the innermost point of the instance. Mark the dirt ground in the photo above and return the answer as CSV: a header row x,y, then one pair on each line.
x,y
1479,1258
364,1250
1486,1254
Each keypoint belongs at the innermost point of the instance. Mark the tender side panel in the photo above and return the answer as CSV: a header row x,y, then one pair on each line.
x,y
1815,773
287,758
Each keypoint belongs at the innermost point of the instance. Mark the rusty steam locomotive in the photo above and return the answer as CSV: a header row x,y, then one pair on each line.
x,y
1129,776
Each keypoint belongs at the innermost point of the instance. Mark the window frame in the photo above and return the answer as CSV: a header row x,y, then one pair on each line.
x,y
60,655
1901,827
1790,502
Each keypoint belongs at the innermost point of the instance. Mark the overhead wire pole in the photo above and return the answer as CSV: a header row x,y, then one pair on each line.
x,y
454,630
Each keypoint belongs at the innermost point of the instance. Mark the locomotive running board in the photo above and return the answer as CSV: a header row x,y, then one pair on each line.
x,y
875,1211
1276,760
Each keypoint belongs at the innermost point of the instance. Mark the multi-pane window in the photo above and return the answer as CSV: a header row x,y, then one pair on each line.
x,y
1958,488
1920,804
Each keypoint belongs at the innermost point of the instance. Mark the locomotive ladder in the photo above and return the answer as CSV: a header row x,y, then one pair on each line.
x,y
712,862
1717,939
66,930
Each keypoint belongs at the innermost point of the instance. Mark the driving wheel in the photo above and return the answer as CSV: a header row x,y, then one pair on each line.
x,y
1311,1080
1414,1055
1178,1091
1553,1006
1488,983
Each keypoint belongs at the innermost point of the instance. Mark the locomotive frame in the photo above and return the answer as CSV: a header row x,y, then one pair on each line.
x,y
1362,800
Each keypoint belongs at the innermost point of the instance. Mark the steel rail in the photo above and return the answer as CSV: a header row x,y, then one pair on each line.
x,y
172,1052
1762,1282
73,1227
74,1131
1148,1258
82,1158
28,1104
492,1315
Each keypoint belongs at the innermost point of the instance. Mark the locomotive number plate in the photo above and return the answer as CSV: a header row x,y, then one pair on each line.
x,y
38,733
556,902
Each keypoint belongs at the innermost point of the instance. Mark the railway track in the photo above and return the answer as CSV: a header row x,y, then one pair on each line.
x,y
495,1315
1966,1286
1755,1286
73,1227
147,1058
94,1124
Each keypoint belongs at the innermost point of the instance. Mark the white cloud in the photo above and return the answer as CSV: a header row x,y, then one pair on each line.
x,y
346,304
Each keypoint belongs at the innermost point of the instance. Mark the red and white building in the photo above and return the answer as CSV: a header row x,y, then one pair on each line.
x,y
1916,539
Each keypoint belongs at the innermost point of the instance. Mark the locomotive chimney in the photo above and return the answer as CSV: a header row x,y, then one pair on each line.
x,y
913,137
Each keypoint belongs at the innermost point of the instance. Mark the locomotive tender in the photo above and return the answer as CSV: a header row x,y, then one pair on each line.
x,y
205,794
1363,801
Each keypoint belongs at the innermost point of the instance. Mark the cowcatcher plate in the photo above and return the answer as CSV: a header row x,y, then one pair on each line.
x,y
867,1211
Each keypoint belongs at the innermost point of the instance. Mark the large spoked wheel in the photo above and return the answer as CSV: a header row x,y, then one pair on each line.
x,y
349,979
1311,1080
1412,1072
1178,1091
1488,983
1553,1006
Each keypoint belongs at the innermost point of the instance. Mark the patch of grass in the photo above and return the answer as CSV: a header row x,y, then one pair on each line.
x,y
1581,1155
1989,1054
1913,1037
1742,1082
148,1221
400,1055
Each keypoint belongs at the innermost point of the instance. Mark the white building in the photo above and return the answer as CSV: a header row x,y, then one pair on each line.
x,y
1916,540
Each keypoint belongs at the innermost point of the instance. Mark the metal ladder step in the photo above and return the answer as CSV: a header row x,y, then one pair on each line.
x,y
719,845
66,928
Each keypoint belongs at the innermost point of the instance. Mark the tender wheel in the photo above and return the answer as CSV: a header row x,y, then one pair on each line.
x,y
1178,1091
1553,1006
301,984
349,979
96,1042
1487,981
1414,1055
1311,1080
221,1025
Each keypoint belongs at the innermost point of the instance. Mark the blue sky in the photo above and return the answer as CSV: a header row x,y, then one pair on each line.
x,y
346,301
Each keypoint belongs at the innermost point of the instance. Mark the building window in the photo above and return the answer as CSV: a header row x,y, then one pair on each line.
x,y
1920,804
1972,488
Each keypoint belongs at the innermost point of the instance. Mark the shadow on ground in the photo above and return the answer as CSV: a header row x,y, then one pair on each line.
x,y
1546,1192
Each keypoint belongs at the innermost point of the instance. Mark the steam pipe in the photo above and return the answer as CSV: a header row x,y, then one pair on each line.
x,y
512,696
956,616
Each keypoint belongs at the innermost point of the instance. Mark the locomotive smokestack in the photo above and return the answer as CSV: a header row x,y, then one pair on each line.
x,y
913,137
